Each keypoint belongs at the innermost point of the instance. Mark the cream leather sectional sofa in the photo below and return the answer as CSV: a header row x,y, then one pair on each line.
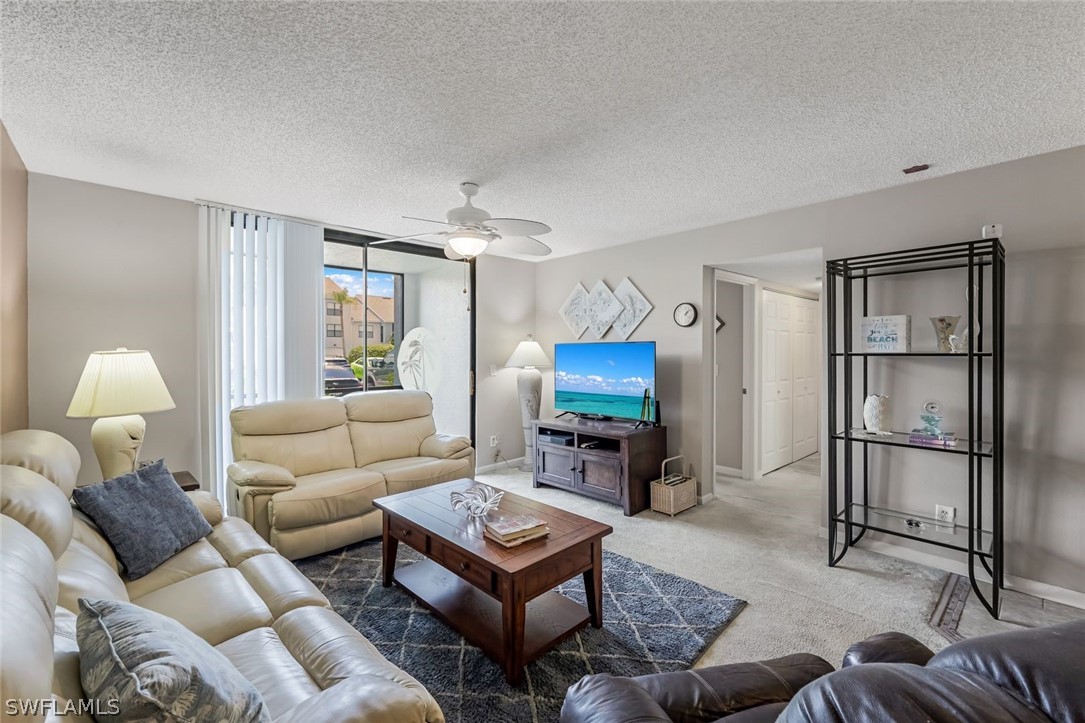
x,y
307,471
231,588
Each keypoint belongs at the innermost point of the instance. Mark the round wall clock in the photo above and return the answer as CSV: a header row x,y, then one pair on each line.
x,y
685,314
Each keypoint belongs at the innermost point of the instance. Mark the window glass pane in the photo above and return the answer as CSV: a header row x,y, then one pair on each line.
x,y
362,329
418,304
436,312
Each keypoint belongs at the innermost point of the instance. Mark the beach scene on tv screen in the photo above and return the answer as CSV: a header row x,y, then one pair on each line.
x,y
611,380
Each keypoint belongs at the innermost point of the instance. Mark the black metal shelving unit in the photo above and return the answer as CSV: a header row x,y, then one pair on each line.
x,y
983,263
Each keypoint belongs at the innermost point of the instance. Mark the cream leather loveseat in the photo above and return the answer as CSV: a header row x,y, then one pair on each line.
x,y
307,471
231,588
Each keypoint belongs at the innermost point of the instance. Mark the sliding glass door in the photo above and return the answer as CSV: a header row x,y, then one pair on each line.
x,y
399,316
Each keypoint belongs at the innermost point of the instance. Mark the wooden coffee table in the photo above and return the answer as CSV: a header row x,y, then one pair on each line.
x,y
499,599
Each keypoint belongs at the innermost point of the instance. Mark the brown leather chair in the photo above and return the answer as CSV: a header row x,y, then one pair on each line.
x,y
1028,675
738,692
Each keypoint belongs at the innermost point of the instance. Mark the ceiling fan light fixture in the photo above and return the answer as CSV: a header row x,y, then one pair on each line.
x,y
475,230
468,244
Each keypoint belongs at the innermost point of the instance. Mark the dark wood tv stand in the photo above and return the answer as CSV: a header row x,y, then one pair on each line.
x,y
613,461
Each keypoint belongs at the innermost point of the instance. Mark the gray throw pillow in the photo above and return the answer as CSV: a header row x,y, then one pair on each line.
x,y
145,515
152,668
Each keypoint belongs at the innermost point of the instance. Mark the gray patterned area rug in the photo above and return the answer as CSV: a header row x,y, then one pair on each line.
x,y
653,622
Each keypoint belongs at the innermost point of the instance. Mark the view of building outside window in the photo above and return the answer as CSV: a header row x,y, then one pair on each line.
x,y
360,329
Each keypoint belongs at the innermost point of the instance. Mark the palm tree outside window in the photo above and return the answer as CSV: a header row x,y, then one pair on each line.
x,y
342,299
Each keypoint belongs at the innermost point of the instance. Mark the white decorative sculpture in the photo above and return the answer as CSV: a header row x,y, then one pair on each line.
x,y
959,343
876,414
478,500
529,356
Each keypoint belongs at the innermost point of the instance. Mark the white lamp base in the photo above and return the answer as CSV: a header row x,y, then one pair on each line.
x,y
529,387
116,442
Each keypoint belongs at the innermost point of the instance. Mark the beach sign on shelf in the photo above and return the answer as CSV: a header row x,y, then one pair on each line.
x,y
887,334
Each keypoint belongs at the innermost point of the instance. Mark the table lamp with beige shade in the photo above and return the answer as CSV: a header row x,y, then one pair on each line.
x,y
529,356
116,387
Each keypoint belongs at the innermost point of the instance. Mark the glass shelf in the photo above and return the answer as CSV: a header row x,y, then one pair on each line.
x,y
900,439
963,355
927,529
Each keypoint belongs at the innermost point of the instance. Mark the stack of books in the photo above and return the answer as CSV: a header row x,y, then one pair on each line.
x,y
945,439
515,530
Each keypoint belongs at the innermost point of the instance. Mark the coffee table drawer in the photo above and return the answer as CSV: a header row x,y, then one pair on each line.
x,y
473,572
544,577
409,533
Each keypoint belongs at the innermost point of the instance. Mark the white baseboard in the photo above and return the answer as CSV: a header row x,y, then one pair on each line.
x,y
501,466
707,497
1044,590
728,471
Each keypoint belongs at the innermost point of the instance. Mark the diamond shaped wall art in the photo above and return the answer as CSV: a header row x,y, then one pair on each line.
x,y
575,312
634,308
624,309
605,309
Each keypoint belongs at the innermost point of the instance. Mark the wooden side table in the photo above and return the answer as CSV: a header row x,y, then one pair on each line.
x,y
186,481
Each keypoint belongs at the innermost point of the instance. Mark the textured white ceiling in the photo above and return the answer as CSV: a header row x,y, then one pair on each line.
x,y
612,122
800,269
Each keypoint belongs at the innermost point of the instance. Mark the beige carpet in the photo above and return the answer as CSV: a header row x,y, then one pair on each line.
x,y
759,541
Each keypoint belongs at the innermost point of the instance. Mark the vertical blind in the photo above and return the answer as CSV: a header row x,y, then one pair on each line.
x,y
254,316
260,305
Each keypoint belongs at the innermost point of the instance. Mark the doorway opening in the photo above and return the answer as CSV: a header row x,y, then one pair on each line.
x,y
766,356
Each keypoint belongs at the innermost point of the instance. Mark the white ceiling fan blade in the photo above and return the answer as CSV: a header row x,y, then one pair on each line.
x,y
407,238
522,245
451,253
430,220
517,227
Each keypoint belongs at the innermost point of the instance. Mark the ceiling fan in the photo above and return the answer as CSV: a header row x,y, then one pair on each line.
x,y
472,231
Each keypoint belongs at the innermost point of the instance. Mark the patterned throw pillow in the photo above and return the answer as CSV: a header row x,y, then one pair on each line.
x,y
145,515
155,669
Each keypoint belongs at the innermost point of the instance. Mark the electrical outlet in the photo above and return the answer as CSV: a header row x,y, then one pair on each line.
x,y
493,441
497,454
945,513
992,230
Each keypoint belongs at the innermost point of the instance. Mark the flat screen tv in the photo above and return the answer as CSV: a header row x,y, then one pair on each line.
x,y
606,379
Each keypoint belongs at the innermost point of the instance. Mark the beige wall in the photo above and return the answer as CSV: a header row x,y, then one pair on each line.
x,y
729,353
1039,202
506,315
110,268
13,324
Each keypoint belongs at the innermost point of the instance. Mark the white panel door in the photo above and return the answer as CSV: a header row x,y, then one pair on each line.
x,y
805,376
776,381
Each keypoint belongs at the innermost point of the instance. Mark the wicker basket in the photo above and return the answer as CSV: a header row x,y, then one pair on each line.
x,y
670,499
